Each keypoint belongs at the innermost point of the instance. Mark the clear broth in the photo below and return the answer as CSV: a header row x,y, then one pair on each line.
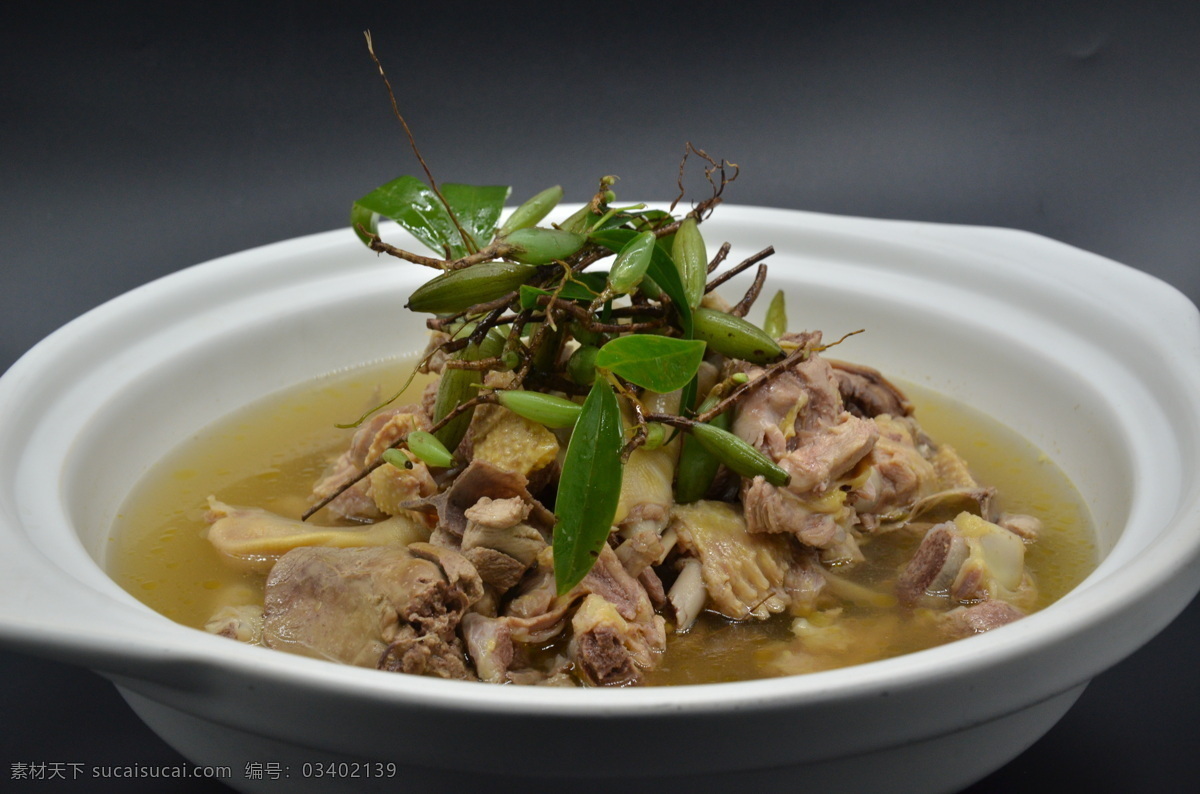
x,y
269,454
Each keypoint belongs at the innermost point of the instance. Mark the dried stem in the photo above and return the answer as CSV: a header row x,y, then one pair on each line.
x,y
640,432
412,141
795,357
719,258
535,342
705,208
487,324
599,203
738,268
671,420
486,254
841,339
545,381
380,247
743,306
494,362
587,320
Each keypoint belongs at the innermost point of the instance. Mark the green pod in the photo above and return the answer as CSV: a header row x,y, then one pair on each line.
x,y
494,341
460,385
532,211
630,265
456,386
583,219
697,466
657,434
581,366
547,409
775,323
457,290
738,455
546,355
692,260
427,448
580,221
510,360
538,246
396,458
586,336
734,337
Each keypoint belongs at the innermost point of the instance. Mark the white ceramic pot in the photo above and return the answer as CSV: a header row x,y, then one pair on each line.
x,y
1096,363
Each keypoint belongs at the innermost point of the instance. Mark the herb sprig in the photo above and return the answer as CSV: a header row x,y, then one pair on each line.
x,y
532,300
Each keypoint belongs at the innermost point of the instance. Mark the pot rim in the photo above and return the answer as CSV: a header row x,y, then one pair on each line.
x,y
109,630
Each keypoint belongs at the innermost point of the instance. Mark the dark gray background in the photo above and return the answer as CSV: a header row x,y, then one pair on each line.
x,y
140,138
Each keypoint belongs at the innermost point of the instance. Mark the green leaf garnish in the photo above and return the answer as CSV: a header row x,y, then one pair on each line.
x,y
589,488
659,363
478,209
662,271
413,204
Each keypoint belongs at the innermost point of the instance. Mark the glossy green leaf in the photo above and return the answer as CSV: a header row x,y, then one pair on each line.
x,y
649,219
664,273
589,487
688,398
413,204
364,221
477,208
612,222
659,363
